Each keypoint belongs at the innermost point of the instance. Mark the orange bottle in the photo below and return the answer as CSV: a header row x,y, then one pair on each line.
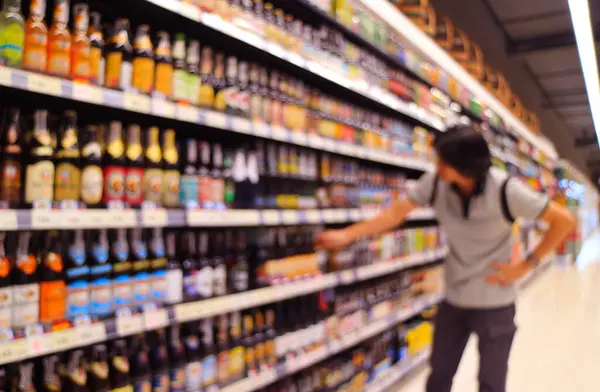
x,y
80,47
59,41
36,38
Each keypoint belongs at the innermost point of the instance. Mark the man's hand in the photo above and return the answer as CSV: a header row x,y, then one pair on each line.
x,y
332,239
508,274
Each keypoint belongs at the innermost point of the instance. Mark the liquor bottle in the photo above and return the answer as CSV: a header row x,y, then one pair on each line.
x,y
92,180
52,372
207,89
67,183
114,166
11,153
35,50
7,263
80,53
237,352
97,376
258,316
76,371
174,271
141,375
188,196
276,104
176,352
26,289
78,274
230,93
270,335
163,79
140,266
217,182
262,254
143,61
263,82
248,342
97,248
255,109
12,34
193,356
59,41
189,266
122,290
119,55
205,179
158,266
238,272
193,72
219,264
120,380
205,268
153,175
179,69
219,83
159,361
134,192
52,280
223,349
228,181
96,38
243,96
172,176
39,181
209,360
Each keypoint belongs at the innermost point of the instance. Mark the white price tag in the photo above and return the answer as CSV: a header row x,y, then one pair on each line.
x,y
329,145
72,219
163,108
241,218
340,215
347,149
154,217
276,50
252,39
315,141
38,345
216,119
299,138
44,84
313,216
14,351
95,218
122,218
261,129
356,215
137,102
296,60
289,217
328,216
190,11
8,220
187,113
155,319
241,125
187,312
5,79
270,217
90,334
63,340
129,325
87,93
280,133
45,219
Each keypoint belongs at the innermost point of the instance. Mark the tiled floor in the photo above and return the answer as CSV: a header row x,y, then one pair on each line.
x,y
557,347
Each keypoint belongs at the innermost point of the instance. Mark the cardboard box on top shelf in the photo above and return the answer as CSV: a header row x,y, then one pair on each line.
x,y
490,80
461,48
420,12
444,32
475,64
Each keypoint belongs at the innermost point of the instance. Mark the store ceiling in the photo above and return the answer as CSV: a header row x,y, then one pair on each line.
x,y
539,45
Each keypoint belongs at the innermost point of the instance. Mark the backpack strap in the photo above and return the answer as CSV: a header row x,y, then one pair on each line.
x,y
434,191
504,202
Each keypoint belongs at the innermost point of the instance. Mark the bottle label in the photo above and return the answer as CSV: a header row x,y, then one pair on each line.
x,y
10,187
35,57
92,183
53,304
142,386
218,191
159,286
236,361
171,187
189,190
205,191
189,285
113,69
177,380
193,88
193,376
205,282
141,288
161,383
174,286
100,297
96,65
153,180
125,81
39,182
179,85
11,43
206,95
81,62
240,279
6,296
164,79
78,299
220,280
122,291
133,186
59,57
243,102
209,371
223,367
143,74
256,107
25,314
67,182
114,180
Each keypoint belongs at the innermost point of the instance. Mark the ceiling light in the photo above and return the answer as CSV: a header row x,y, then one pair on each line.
x,y
582,25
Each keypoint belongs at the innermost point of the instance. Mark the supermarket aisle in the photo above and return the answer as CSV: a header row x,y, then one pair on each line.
x,y
558,344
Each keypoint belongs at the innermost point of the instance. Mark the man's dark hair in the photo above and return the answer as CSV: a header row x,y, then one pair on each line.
x,y
465,149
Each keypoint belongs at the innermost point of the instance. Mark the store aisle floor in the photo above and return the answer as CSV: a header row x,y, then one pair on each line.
x,y
557,347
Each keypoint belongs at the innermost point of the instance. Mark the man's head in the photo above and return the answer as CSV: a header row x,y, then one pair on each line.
x,y
463,154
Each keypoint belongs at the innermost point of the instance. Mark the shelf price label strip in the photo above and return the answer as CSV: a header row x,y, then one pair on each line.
x,y
397,372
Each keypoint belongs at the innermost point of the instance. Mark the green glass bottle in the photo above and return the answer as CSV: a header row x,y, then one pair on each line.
x,y
12,34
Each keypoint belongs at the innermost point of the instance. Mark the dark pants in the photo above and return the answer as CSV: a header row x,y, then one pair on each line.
x,y
495,329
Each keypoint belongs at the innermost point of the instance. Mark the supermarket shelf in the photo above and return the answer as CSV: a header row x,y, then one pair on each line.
x,y
372,92
397,372
161,217
347,341
84,335
135,102
424,45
